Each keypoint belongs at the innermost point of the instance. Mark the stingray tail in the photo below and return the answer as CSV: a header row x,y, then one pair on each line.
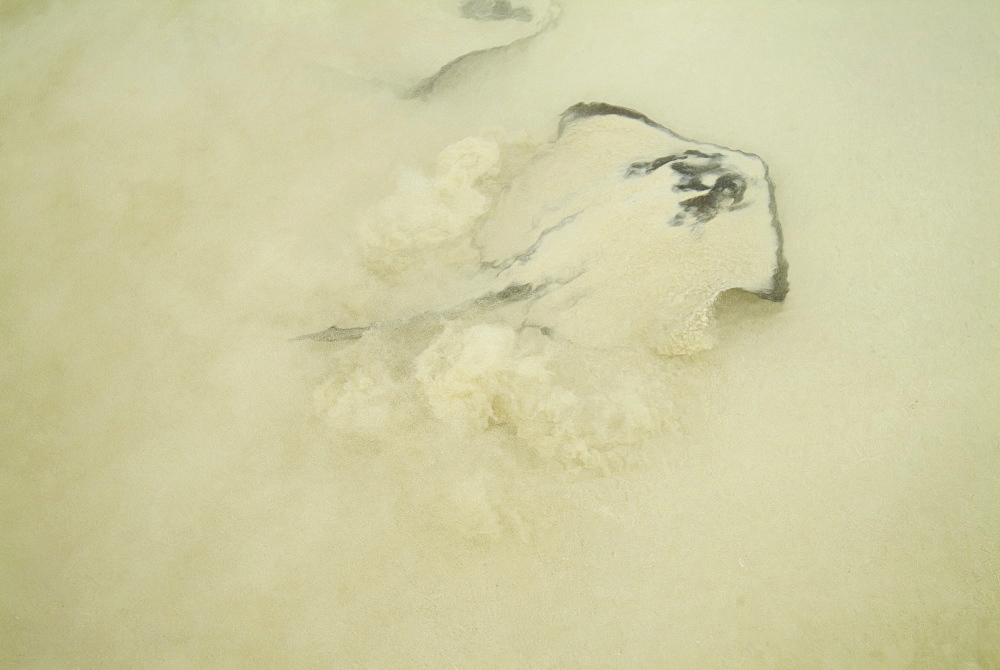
x,y
511,293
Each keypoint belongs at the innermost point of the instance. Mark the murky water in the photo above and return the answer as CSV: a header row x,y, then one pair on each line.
x,y
184,188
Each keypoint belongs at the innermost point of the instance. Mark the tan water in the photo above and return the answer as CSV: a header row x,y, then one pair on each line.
x,y
185,187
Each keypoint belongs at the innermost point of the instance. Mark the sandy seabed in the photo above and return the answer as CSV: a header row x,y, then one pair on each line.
x,y
181,191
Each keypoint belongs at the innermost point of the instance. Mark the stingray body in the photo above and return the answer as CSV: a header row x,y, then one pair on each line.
x,y
620,231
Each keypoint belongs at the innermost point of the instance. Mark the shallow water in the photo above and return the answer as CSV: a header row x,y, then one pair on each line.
x,y
182,189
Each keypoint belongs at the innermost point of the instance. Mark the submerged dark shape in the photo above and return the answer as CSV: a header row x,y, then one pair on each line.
x,y
433,45
621,231
494,10
487,10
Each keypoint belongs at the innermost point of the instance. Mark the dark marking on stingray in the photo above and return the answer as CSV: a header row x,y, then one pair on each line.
x,y
494,10
688,163
779,280
583,110
526,255
645,167
692,184
726,193
699,163
511,294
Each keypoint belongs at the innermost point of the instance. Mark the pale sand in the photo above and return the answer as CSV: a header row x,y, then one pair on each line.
x,y
180,193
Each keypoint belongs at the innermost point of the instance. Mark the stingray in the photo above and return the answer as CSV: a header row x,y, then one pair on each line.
x,y
431,40
536,19
620,231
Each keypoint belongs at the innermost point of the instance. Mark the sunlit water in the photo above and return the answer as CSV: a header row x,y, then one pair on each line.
x,y
184,188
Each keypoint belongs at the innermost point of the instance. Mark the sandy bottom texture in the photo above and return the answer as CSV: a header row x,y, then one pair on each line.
x,y
185,185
